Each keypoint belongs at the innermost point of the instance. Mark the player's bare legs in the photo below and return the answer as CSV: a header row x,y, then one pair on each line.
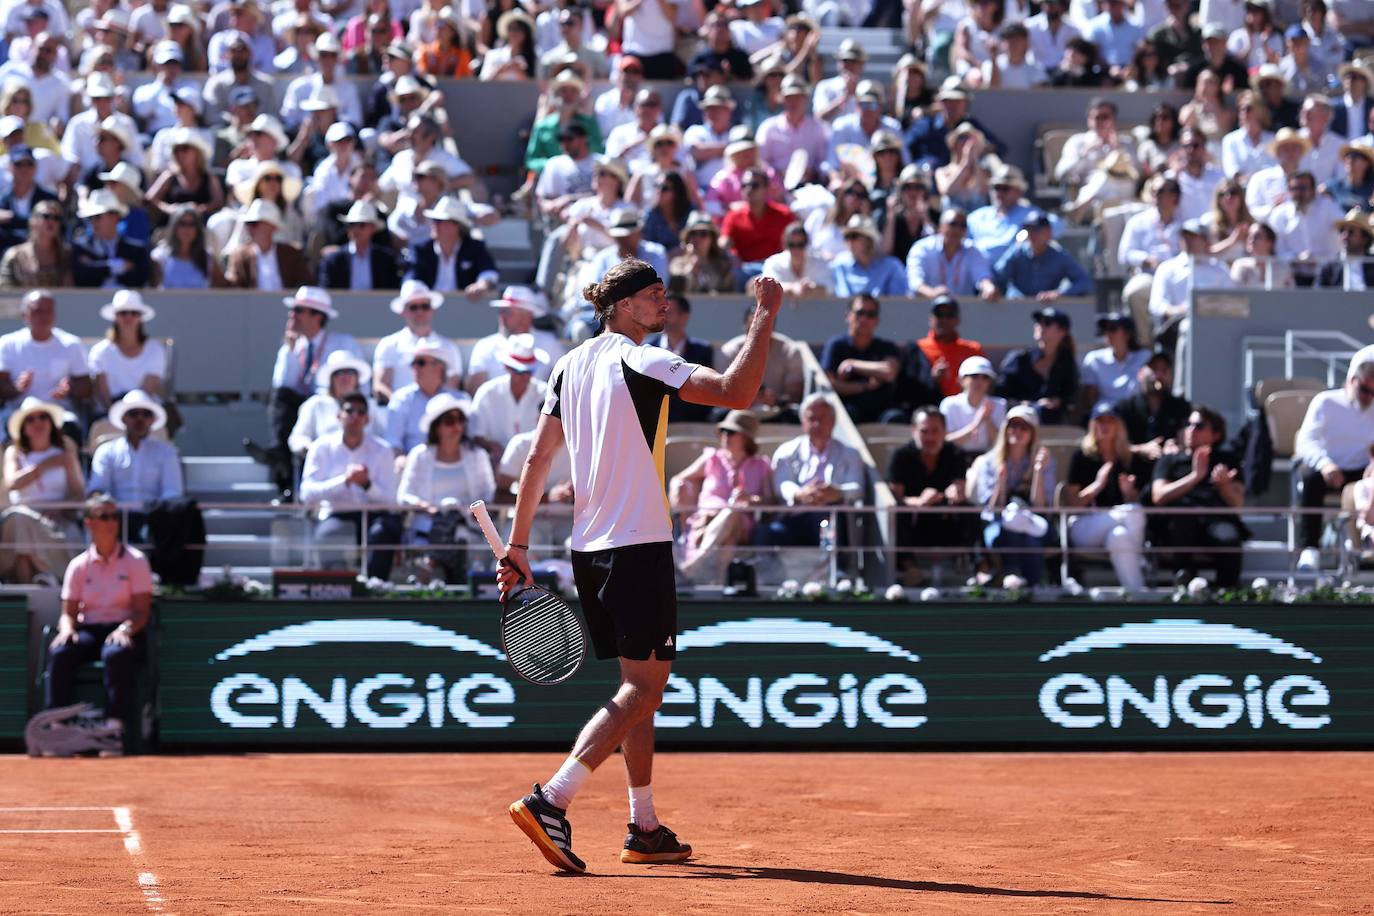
x,y
640,693
637,747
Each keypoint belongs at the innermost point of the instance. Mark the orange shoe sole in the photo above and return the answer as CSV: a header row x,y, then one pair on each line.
x,y
630,857
529,825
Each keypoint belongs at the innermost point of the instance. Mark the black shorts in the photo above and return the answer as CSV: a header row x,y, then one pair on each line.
x,y
629,600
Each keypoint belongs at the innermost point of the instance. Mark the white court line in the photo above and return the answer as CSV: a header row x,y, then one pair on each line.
x,y
61,830
64,808
133,844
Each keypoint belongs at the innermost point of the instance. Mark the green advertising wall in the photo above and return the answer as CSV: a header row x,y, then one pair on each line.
x,y
430,674
14,669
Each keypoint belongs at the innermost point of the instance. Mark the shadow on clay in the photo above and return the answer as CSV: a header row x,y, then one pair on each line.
x,y
695,870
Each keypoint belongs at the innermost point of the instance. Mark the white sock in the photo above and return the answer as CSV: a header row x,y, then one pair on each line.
x,y
642,807
564,784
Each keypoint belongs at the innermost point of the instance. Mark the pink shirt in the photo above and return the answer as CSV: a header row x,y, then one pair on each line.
x,y
104,589
778,140
754,474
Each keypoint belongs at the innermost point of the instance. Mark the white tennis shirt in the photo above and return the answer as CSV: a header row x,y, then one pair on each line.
x,y
612,398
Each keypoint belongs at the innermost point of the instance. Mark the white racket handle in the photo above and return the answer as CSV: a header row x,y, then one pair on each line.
x,y
483,517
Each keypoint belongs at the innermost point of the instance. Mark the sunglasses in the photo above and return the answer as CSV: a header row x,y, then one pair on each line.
x,y
854,192
355,411
138,414
103,516
419,307
452,419
750,185
1365,389
298,309
864,313
48,217
422,362
276,178
796,245
1201,424
957,224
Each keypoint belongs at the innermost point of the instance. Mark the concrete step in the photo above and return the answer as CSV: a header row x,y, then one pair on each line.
x,y
872,39
234,493
221,471
256,522
237,550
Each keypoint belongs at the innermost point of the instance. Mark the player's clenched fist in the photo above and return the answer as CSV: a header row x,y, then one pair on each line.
x,y
768,294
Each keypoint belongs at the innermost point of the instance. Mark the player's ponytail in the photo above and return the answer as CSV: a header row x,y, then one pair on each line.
x,y
621,282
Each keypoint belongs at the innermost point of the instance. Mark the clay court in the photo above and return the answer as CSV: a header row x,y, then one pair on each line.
x,y
815,833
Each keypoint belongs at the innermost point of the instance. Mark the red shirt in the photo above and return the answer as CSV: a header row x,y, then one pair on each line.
x,y
755,239
954,354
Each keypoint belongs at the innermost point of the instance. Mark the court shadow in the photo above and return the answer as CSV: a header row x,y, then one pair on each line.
x,y
695,870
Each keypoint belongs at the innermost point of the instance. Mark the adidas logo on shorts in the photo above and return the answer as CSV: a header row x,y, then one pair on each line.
x,y
669,643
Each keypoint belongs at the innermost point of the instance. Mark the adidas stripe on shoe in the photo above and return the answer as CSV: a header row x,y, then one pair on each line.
x,y
548,828
659,846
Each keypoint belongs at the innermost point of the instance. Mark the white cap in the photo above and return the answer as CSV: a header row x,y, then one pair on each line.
x,y
977,365
339,130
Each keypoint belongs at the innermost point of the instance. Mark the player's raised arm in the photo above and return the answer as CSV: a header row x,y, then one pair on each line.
x,y
738,385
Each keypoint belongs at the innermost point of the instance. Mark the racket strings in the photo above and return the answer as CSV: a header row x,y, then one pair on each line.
x,y
543,638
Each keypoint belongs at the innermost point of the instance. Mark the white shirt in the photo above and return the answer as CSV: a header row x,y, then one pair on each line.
x,y
425,479
827,93
607,393
959,413
1048,50
610,114
629,143
60,356
564,175
647,31
1324,159
593,240
482,360
1311,233
1146,237
518,449
78,141
1196,199
51,92
302,87
155,105
446,271
1265,190
779,267
395,350
319,416
752,37
329,183
1177,277
497,415
1241,157
326,464
269,274
797,463
399,176
1025,75
123,374
1335,429
1083,152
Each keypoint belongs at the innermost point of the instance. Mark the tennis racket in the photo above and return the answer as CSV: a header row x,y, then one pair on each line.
x,y
542,636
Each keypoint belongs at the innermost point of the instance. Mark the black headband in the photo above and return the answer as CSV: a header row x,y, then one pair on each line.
x,y
641,277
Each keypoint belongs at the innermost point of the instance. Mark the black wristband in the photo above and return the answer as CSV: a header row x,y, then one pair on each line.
x,y
521,546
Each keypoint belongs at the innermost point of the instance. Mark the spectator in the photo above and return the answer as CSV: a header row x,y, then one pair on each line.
x,y
1195,267
112,146
18,205
725,484
668,210
1300,69
242,111
1154,415
107,596
1050,34
1351,113
188,179
974,39
926,473
43,260
1106,475
1109,374
838,95
1198,177
514,58
1272,89
1045,376
1082,67
793,267
42,360
135,468
1332,449
1038,268
1268,187
793,135
907,219
570,31
425,136
567,176
180,260
783,376
1245,150
1228,222
42,466
864,127
1354,187
218,87
814,470
101,256
629,142
863,269
1229,71
1010,482
727,187
586,221
1012,67
706,141
262,262
329,181
615,106
353,471
450,54
702,267
1150,238
1355,270
963,181
1177,39
123,181
1157,150
1259,269
1306,228
1084,151
519,307
319,415
154,103
1323,158
665,155
80,134
798,52
948,264
887,152
407,222
1202,475
127,358
769,73
943,348
391,360
649,36
754,30
47,84
753,228
720,54
993,228
509,404
1259,40
443,475
826,225
405,413
454,260
362,265
568,93
973,416
861,366
1116,35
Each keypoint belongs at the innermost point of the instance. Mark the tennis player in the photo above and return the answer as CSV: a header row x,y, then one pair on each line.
x,y
608,399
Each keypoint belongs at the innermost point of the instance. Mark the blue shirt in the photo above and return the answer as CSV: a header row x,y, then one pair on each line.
x,y
926,265
1021,274
995,232
884,276
846,129
1116,40
1114,381
403,416
136,475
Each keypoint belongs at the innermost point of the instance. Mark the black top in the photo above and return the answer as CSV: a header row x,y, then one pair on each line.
x,y
905,467
866,406
1020,381
916,385
1179,465
732,60
1144,426
1083,470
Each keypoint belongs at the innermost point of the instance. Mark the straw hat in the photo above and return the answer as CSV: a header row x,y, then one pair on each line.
x,y
883,141
321,98
851,49
442,403
127,300
1267,73
448,209
795,85
363,212
615,167
625,223
115,128
312,297
430,348
717,95
744,422
186,136
100,86
266,124
508,18
138,399
32,405
861,225
1285,136
262,211
246,190
1119,165
567,79
1355,68
1356,218
1009,175
124,174
665,132
1359,149
101,202
343,361
518,352
415,291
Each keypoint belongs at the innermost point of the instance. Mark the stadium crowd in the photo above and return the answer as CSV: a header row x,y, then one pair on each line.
x,y
306,146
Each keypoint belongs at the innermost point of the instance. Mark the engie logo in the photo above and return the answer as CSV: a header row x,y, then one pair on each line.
x,y
383,700
1201,700
799,699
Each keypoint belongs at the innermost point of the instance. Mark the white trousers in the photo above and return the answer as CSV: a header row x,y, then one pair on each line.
x,y
1121,530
